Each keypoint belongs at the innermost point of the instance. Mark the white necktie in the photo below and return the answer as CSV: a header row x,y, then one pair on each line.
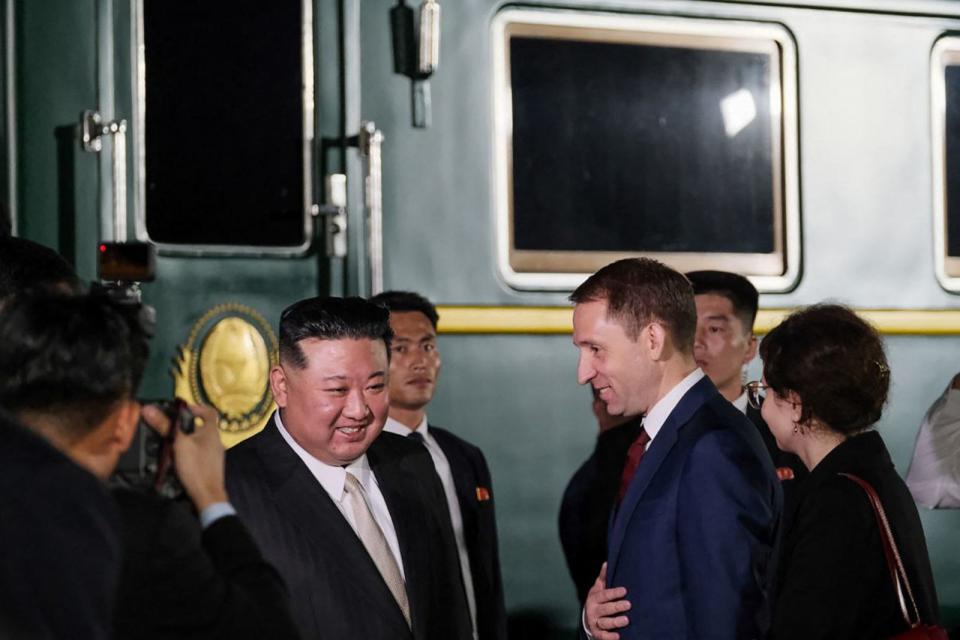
x,y
376,544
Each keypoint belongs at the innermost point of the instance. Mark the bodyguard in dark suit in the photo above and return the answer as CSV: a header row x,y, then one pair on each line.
x,y
355,523
461,467
692,536
727,306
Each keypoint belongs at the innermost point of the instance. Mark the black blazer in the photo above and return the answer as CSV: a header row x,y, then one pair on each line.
x,y
587,502
833,580
181,582
60,556
471,477
336,591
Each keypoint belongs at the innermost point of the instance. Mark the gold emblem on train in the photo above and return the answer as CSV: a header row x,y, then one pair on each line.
x,y
226,363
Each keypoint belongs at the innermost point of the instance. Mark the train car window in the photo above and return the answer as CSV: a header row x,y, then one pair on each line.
x,y
946,161
638,135
225,125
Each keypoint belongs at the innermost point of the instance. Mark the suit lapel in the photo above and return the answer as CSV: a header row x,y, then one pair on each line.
x,y
463,482
315,516
656,453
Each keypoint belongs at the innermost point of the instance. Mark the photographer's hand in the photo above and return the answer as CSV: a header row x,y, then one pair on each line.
x,y
198,456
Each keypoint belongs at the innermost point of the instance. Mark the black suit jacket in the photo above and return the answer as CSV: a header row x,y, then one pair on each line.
x,y
587,502
181,582
475,496
833,580
60,555
336,591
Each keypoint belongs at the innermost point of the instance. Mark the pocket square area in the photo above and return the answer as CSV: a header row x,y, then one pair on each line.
x,y
483,494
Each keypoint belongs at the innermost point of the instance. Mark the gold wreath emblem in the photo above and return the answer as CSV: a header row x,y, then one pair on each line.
x,y
226,363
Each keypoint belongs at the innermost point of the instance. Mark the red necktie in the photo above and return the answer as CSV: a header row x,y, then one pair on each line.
x,y
634,455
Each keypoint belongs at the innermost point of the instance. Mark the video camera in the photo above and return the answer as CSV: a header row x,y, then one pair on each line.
x,y
121,267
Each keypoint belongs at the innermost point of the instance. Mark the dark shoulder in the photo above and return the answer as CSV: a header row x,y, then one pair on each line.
x,y
446,438
247,448
392,447
834,497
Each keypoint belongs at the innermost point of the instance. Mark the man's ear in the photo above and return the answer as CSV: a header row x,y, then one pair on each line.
x,y
752,345
655,339
278,385
124,425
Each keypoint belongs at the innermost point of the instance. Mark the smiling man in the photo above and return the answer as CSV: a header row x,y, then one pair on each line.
x,y
462,467
355,521
692,534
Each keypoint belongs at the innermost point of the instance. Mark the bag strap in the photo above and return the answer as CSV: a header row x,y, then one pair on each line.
x,y
894,563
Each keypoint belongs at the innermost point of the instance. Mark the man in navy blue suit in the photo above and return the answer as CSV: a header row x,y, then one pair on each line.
x,y
691,536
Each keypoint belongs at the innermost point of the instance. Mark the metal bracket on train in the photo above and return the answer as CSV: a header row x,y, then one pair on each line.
x,y
334,214
92,131
416,53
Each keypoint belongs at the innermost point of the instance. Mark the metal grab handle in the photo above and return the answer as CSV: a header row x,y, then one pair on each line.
x,y
92,131
370,143
429,56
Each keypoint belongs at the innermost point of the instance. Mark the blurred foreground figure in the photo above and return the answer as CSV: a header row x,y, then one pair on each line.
x,y
934,473
69,367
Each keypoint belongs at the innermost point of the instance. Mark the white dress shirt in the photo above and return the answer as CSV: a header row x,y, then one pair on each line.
x,y
442,465
332,479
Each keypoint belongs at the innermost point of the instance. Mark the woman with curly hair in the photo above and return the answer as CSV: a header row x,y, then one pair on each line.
x,y
825,381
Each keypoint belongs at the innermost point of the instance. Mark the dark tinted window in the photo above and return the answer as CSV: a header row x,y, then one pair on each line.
x,y
952,139
625,147
224,122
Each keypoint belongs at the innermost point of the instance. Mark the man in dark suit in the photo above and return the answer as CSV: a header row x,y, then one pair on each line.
x,y
724,344
692,536
68,372
462,468
357,524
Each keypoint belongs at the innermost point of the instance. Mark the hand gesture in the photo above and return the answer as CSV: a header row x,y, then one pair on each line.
x,y
603,608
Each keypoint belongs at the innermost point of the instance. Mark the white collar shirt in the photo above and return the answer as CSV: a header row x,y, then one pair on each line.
x,y
332,479
442,465
658,413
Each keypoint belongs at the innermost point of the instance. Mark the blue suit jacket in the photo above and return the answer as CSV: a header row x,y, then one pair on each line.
x,y
693,539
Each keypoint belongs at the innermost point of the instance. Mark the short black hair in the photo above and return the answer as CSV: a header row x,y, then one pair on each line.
x,y
738,290
834,361
640,290
69,357
27,266
407,301
330,318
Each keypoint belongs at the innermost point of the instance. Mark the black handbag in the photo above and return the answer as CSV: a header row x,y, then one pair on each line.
x,y
916,630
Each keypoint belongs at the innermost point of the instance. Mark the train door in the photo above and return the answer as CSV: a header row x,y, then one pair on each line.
x,y
225,133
